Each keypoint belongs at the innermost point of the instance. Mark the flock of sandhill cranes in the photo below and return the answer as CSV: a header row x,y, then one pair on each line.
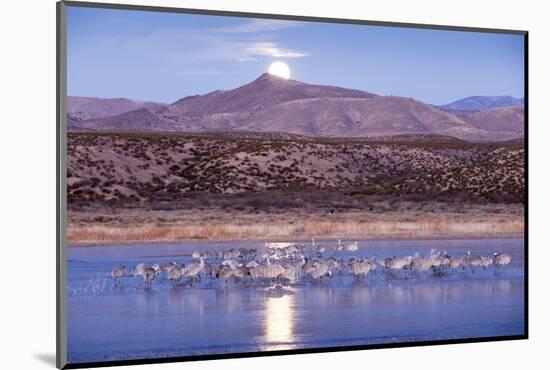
x,y
302,263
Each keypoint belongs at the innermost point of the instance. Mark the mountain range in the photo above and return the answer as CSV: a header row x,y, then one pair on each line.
x,y
479,103
81,108
272,104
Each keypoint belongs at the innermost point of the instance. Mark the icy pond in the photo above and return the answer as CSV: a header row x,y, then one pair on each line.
x,y
106,323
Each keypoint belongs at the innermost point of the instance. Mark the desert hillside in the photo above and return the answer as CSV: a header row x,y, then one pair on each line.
x,y
82,108
197,170
504,119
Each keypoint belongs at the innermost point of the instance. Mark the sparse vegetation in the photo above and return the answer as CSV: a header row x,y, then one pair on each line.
x,y
129,170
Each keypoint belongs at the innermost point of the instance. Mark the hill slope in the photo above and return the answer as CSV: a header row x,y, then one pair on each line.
x,y
168,169
82,108
356,117
509,119
135,120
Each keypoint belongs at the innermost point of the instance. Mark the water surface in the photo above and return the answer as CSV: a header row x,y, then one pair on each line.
x,y
131,322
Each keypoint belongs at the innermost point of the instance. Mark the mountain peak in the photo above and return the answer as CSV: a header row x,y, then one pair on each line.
x,y
264,92
267,77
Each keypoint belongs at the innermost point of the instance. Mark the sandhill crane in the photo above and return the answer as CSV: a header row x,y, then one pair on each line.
x,y
339,247
233,264
298,265
444,259
340,265
225,273
140,269
207,269
398,263
319,270
118,272
422,264
456,263
266,270
164,267
246,255
263,255
289,272
312,249
156,267
462,261
274,270
321,250
192,270
175,273
241,272
486,262
502,259
269,270
231,254
149,275
352,247
473,261
440,261
359,268
258,272
374,263
214,270
309,266
332,263
291,250
435,259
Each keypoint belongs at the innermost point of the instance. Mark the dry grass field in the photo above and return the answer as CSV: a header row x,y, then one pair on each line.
x,y
217,225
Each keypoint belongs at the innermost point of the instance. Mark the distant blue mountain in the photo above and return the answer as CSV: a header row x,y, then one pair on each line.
x,y
479,103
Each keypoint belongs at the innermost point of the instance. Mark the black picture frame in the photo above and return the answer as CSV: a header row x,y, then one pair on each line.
x,y
61,194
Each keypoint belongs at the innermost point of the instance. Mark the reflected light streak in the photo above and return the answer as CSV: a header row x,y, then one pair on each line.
x,y
279,323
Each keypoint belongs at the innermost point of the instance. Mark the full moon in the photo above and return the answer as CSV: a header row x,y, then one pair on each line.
x,y
279,69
